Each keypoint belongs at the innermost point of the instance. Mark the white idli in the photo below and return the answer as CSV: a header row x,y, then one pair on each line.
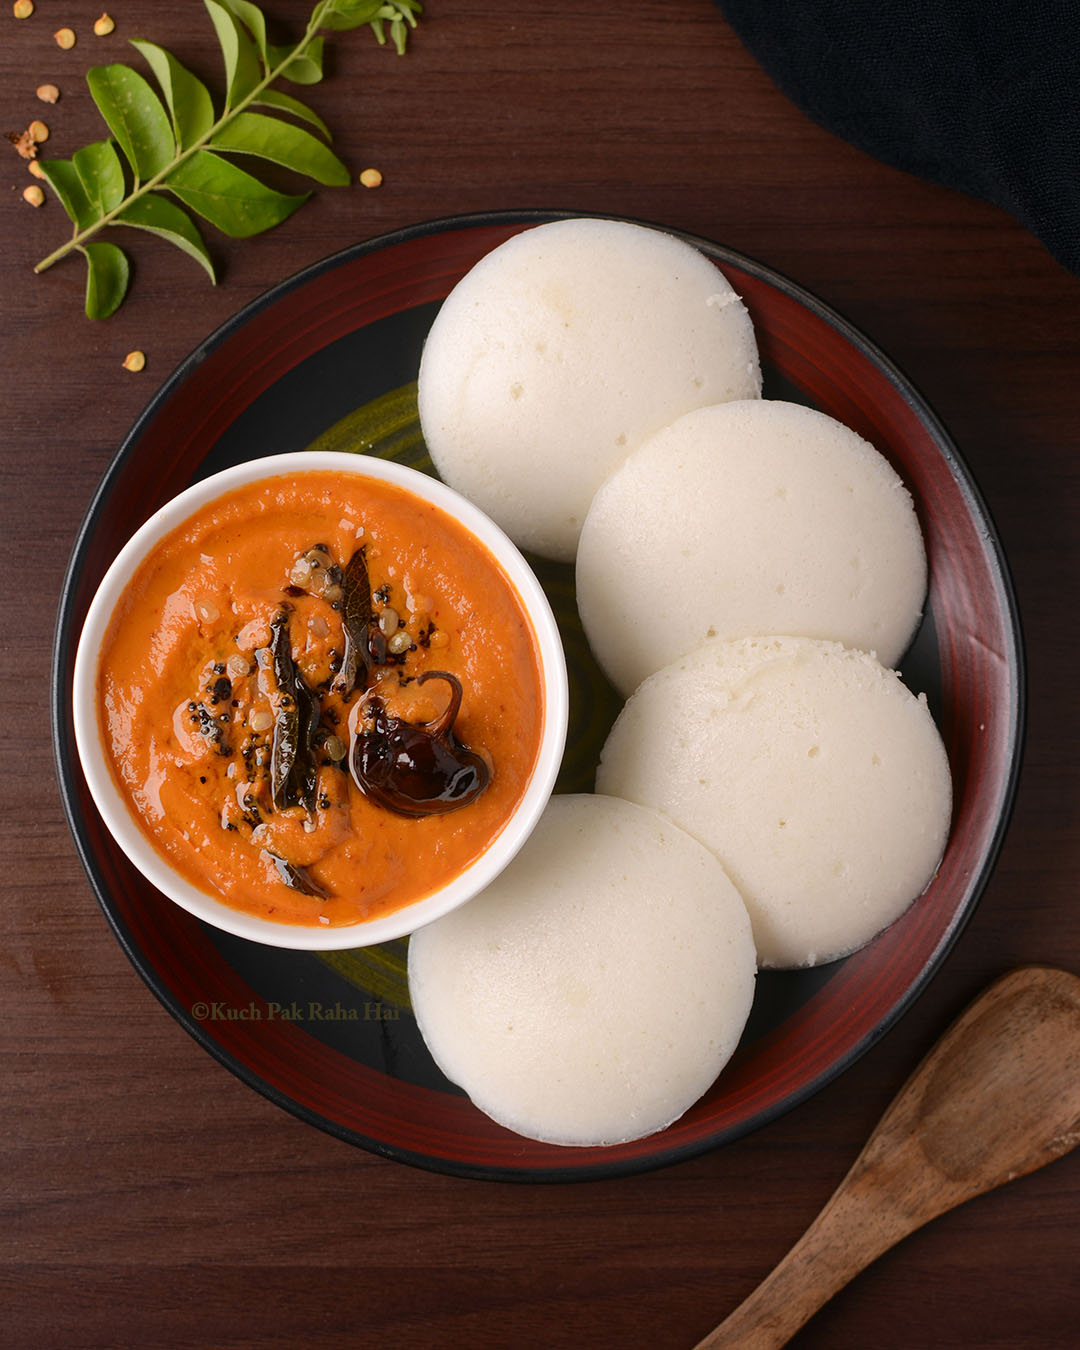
x,y
742,520
818,780
594,991
559,352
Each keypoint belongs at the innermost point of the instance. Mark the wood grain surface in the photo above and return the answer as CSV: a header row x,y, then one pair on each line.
x,y
147,1197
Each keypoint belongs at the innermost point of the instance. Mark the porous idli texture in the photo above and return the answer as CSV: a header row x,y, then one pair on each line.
x,y
819,781
563,349
594,991
746,519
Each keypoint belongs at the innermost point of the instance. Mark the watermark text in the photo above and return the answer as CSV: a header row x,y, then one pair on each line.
x,y
309,1011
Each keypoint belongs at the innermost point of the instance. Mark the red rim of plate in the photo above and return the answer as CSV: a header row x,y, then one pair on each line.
x,y
978,632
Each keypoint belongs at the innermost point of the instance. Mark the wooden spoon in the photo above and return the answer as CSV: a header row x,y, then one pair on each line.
x,y
996,1098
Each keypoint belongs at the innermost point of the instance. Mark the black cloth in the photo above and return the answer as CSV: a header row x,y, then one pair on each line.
x,y
981,95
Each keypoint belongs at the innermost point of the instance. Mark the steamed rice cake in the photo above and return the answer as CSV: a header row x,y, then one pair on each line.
x,y
819,781
559,352
594,991
746,519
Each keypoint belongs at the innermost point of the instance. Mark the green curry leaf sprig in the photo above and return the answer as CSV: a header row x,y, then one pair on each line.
x,y
175,146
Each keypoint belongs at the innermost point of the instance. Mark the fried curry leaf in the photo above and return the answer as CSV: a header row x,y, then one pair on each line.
x,y
293,768
365,646
174,143
297,877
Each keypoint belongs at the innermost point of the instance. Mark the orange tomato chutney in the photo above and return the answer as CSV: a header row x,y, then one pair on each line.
x,y
186,702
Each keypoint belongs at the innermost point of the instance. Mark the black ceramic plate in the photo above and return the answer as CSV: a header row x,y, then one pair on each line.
x,y
331,356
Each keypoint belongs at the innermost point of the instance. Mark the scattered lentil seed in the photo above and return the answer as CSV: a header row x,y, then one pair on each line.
x,y
65,38
103,26
36,169
24,144
399,643
34,195
39,131
48,93
135,361
371,178
22,9
261,720
205,610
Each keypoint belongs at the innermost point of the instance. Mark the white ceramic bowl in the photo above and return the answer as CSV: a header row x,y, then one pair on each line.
x,y
115,810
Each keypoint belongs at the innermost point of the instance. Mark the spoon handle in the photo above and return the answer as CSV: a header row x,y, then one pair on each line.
x,y
846,1236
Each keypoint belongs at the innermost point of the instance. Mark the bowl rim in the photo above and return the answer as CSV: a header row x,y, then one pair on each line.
x,y
113,807
1016,710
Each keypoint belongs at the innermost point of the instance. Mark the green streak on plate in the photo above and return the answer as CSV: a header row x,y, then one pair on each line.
x,y
375,970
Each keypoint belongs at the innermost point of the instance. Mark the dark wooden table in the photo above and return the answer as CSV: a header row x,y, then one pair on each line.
x,y
150,1198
